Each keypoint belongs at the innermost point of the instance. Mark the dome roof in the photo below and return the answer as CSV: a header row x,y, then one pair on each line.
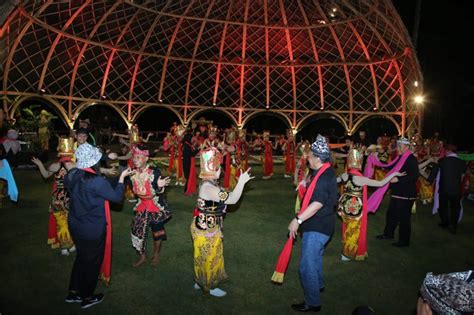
x,y
295,58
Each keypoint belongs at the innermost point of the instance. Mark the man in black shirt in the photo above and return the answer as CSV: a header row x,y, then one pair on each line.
x,y
451,170
316,224
403,196
188,152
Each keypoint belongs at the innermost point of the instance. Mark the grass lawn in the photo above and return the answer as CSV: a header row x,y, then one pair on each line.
x,y
34,278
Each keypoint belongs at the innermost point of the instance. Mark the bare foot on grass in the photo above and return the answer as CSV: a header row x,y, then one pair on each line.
x,y
141,259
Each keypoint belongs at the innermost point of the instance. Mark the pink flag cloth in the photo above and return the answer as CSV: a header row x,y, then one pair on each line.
x,y
372,161
376,198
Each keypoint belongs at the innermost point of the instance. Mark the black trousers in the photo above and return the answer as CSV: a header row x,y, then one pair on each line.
x,y
399,212
86,268
449,209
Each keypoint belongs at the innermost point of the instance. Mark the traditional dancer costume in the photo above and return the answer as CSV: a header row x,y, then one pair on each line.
x,y
352,208
290,155
231,171
301,173
267,156
384,157
168,146
178,161
151,210
426,189
242,151
58,228
206,227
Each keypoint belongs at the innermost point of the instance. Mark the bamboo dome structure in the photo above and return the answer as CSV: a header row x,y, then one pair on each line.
x,y
350,59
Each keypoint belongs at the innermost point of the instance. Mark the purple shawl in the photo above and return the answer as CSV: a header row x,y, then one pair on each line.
x,y
372,161
376,198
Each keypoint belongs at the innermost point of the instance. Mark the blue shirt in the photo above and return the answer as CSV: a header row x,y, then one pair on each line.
x,y
87,197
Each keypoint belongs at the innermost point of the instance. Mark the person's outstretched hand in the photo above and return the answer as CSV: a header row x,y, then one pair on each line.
x,y
246,176
162,182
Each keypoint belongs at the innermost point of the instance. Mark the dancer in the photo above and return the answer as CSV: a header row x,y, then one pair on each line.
x,y
133,137
383,156
190,149
151,210
206,227
352,207
231,167
242,150
178,162
257,144
267,156
289,149
58,229
212,140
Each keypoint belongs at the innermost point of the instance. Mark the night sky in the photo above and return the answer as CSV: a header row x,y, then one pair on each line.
x,y
446,61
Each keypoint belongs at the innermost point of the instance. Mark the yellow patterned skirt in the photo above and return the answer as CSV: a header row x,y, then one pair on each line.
x,y
350,239
63,234
208,257
379,173
350,209
233,177
426,190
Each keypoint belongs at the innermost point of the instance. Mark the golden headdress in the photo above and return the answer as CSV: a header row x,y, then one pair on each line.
x,y
212,130
305,148
354,159
266,134
231,135
134,134
180,130
66,146
210,160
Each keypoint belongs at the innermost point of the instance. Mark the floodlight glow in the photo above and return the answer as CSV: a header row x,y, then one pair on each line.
x,y
419,99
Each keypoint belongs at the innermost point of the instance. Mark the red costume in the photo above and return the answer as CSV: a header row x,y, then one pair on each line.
x,y
267,158
290,156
